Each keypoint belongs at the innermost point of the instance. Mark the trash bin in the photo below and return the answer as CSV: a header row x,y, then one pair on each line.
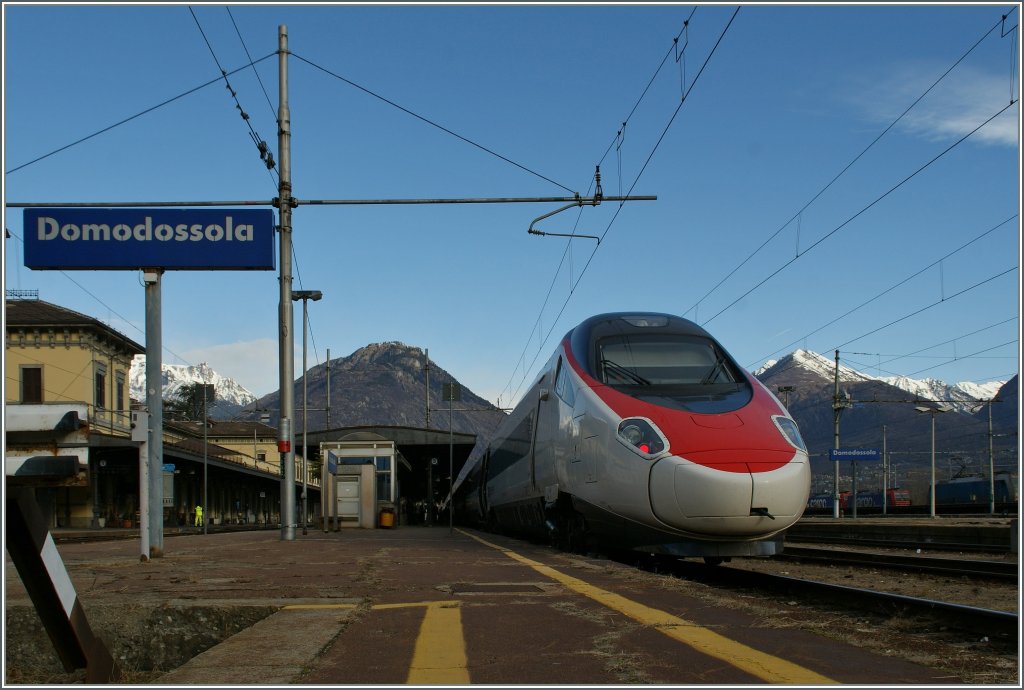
x,y
387,517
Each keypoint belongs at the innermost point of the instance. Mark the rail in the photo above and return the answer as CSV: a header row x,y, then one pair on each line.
x,y
897,544
1000,626
999,570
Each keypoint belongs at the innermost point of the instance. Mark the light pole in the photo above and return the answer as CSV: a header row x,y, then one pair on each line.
x,y
786,390
838,405
305,296
206,505
452,392
932,411
209,394
991,465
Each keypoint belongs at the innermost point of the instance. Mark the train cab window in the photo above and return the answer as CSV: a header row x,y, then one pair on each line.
x,y
631,360
685,372
563,385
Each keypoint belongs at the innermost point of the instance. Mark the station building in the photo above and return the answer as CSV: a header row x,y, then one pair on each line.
x,y
67,394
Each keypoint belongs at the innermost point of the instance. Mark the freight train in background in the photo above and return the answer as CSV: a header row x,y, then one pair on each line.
x,y
965,494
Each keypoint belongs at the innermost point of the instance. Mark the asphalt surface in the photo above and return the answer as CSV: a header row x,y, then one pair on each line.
x,y
429,605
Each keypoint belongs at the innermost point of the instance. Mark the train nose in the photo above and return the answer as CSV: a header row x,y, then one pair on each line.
x,y
736,498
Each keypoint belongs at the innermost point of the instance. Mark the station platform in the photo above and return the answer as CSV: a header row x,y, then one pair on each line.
x,y
980,532
429,605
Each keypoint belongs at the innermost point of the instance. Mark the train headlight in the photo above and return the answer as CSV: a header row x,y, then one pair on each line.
x,y
642,436
789,429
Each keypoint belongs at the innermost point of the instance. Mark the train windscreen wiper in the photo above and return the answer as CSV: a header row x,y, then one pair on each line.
x,y
713,374
624,372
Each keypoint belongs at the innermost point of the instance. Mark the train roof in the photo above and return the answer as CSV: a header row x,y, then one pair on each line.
x,y
635,322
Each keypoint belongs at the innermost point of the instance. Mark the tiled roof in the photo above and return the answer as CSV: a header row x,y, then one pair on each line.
x,y
223,429
40,314
196,446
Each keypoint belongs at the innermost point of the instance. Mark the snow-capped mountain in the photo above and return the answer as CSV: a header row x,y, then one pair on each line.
x,y
885,407
819,364
964,396
230,395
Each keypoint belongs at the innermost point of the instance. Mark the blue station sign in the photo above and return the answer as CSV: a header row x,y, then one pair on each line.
x,y
134,238
856,454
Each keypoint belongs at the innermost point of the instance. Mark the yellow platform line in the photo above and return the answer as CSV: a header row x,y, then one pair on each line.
x,y
439,657
764,666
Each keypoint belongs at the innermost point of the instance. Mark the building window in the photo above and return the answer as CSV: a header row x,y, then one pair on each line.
x,y
383,465
31,384
99,395
261,456
119,391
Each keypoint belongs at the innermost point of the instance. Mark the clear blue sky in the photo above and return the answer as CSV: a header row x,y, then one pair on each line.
x,y
789,97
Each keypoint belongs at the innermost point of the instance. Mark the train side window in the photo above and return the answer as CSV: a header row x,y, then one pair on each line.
x,y
563,386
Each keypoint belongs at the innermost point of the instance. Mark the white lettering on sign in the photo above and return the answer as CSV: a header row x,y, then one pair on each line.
x,y
49,229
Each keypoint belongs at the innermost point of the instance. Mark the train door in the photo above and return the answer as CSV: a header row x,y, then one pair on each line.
x,y
593,446
549,446
565,428
576,465
591,435
485,463
582,441
542,396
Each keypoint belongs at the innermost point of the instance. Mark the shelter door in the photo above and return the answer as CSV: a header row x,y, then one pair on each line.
x,y
348,499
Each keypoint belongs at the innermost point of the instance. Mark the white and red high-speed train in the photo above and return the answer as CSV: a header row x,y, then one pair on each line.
x,y
641,432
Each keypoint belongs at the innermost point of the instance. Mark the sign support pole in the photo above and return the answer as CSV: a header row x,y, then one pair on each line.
x,y
144,483
155,405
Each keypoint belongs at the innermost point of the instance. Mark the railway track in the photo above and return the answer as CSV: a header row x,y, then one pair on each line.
x,y
969,622
895,544
1000,625
85,536
986,569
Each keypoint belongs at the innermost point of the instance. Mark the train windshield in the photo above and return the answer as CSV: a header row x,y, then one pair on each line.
x,y
666,360
686,372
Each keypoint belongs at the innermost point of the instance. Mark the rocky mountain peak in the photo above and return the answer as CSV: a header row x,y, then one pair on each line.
x,y
385,384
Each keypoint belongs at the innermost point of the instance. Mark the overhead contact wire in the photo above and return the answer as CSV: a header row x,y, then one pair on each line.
x,y
890,288
635,181
430,122
261,145
845,169
298,275
273,112
923,309
136,115
568,242
965,335
858,213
